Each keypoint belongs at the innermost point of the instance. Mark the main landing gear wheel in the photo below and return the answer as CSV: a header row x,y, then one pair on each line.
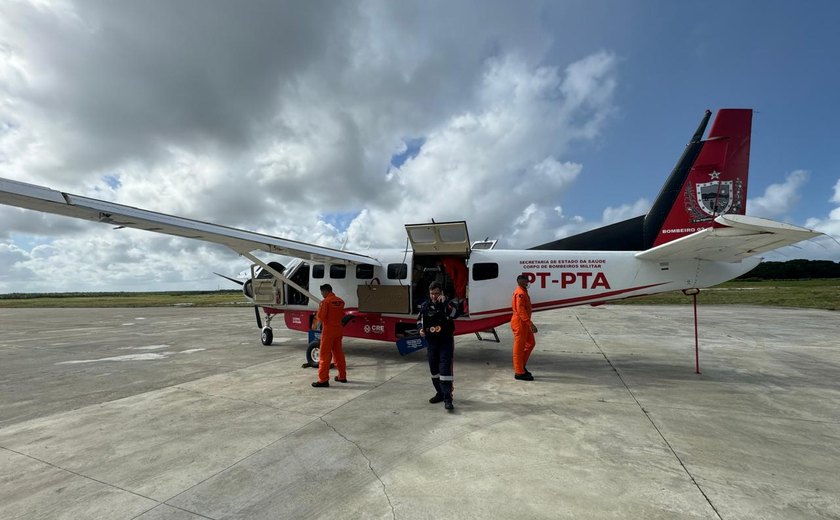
x,y
313,354
267,336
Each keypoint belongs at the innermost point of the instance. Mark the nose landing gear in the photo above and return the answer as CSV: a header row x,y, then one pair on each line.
x,y
267,335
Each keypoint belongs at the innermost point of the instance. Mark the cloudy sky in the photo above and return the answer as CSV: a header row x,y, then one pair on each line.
x,y
338,122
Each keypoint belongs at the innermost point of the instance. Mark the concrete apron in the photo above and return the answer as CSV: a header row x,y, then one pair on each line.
x,y
616,424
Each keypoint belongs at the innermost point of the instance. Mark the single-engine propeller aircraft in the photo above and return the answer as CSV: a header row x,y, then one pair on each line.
x,y
695,235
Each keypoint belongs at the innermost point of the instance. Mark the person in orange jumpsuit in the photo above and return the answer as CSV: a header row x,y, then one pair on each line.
x,y
523,329
329,316
457,271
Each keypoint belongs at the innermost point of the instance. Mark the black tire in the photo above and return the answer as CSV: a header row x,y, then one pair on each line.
x,y
267,336
313,353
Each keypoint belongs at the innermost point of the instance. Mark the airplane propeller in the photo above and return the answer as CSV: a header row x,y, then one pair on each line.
x,y
242,284
234,280
259,320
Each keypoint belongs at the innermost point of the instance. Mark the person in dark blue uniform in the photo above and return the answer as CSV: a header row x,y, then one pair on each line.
x,y
435,323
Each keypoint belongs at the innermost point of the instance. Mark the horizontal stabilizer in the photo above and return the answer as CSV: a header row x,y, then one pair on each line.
x,y
39,198
733,238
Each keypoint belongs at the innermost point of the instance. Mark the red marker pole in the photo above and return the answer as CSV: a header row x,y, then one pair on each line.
x,y
696,338
693,293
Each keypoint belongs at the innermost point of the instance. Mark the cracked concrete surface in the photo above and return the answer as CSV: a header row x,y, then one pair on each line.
x,y
616,425
370,464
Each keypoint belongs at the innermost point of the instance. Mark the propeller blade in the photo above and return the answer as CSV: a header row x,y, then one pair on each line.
x,y
259,320
234,280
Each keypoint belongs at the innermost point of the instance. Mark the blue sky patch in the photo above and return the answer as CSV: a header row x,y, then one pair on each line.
x,y
28,242
340,220
412,148
112,181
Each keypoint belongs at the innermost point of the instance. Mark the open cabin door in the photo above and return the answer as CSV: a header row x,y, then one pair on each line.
x,y
441,250
265,289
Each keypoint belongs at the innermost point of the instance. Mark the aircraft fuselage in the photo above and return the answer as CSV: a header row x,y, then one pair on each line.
x,y
384,298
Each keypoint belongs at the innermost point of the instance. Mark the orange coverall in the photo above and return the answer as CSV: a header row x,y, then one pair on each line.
x,y
457,270
329,315
520,323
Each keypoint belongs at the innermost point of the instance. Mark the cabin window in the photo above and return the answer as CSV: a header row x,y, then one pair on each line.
x,y
485,271
318,271
338,271
364,272
397,271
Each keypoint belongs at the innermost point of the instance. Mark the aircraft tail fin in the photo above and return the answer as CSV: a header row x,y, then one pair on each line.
x,y
709,180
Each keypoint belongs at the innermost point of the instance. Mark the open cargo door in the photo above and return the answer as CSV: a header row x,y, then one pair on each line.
x,y
439,238
440,253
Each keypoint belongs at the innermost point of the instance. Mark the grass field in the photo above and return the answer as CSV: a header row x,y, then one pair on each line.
x,y
155,299
815,294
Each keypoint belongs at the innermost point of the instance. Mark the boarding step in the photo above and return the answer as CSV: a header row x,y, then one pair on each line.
x,y
494,339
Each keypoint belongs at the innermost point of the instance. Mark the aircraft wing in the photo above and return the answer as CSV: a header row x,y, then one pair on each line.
x,y
39,198
740,237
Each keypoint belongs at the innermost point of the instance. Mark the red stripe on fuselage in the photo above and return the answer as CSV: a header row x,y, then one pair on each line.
x,y
568,302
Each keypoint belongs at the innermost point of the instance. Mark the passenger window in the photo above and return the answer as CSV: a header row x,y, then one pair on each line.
x,y
338,271
318,271
397,271
364,272
485,271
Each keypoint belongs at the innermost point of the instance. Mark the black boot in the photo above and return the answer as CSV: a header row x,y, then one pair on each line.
x,y
447,403
438,397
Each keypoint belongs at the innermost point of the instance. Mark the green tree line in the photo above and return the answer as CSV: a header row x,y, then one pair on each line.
x,y
794,270
24,296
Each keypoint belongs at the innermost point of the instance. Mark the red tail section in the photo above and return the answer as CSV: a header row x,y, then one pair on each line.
x,y
717,180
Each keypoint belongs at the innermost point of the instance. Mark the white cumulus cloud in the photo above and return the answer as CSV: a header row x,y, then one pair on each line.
x,y
779,199
283,118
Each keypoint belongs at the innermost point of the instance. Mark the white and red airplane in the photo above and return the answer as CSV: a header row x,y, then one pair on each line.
x,y
695,235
